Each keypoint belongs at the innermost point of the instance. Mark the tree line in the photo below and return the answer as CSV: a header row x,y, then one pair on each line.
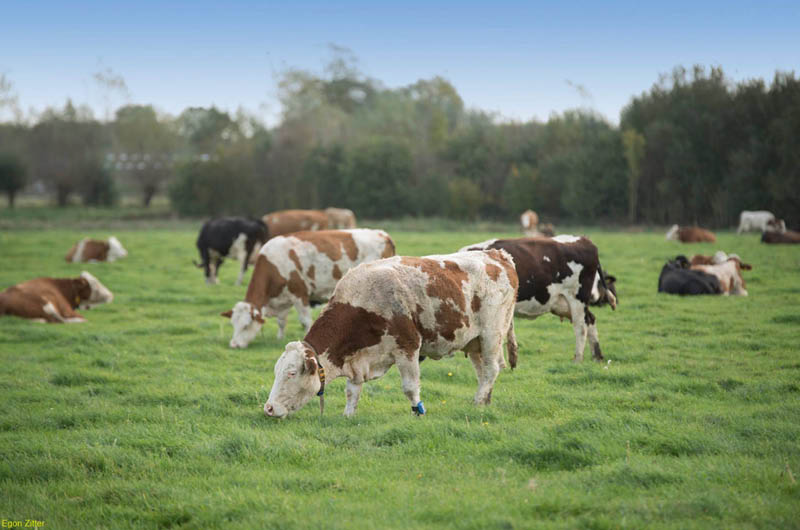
x,y
695,148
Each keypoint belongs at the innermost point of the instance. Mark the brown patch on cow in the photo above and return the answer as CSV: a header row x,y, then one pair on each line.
x,y
311,272
443,283
331,243
695,234
508,265
699,259
476,303
405,334
336,273
428,335
493,271
93,249
342,330
266,283
295,259
389,248
298,287
789,237
289,221
448,320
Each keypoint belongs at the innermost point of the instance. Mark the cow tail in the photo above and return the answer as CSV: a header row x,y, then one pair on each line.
x,y
511,345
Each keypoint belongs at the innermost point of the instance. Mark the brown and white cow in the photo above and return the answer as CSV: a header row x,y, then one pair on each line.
x,y
690,234
788,237
394,310
285,222
729,275
761,220
718,257
54,299
529,222
297,270
91,250
559,275
340,218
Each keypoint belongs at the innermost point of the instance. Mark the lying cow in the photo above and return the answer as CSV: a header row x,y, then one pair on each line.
x,y
339,218
761,220
690,234
789,237
560,275
299,270
234,237
729,275
285,222
677,278
393,310
718,258
54,299
91,250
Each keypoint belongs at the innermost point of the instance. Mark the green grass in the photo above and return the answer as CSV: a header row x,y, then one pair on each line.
x,y
143,417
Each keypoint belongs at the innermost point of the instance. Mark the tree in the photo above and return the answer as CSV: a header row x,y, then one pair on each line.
x,y
633,144
12,176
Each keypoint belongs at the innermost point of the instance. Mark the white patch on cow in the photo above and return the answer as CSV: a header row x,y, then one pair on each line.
x,y
99,292
526,221
566,238
115,250
237,250
729,276
78,256
51,310
546,259
561,293
672,233
245,327
74,320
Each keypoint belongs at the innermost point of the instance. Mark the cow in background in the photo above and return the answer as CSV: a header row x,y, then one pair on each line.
x,y
285,222
718,258
690,234
298,270
788,237
677,278
340,218
529,221
54,300
235,237
92,250
760,220
729,275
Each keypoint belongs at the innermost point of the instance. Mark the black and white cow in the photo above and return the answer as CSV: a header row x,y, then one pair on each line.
x,y
236,237
677,278
560,275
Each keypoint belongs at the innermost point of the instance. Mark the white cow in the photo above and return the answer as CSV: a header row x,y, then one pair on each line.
x,y
760,220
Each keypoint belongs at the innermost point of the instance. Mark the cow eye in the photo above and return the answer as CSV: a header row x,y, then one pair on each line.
x,y
292,374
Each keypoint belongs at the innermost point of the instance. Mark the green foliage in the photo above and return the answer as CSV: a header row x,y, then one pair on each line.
x,y
12,176
205,188
144,417
97,187
378,175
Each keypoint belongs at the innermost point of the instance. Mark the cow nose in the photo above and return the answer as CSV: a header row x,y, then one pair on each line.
x,y
234,344
269,410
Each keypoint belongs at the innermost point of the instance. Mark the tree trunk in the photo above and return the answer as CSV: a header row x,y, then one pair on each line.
x,y
62,195
149,192
11,195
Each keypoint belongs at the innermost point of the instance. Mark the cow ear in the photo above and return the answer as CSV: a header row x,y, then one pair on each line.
x,y
227,314
256,315
311,365
746,266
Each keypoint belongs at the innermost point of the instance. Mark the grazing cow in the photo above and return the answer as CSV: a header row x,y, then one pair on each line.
x,y
92,250
729,275
560,275
718,257
760,220
339,218
298,270
236,237
54,299
287,221
677,278
393,310
529,222
789,237
690,234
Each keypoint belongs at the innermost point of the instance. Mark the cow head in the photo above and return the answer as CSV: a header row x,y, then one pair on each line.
x,y
97,292
115,249
604,290
672,233
247,321
776,225
296,381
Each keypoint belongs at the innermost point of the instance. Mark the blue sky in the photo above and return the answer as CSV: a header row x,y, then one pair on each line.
x,y
522,60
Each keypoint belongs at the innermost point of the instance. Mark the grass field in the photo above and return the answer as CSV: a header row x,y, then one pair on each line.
x,y
143,417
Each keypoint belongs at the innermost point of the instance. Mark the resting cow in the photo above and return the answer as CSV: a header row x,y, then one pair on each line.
x,y
285,222
54,299
560,275
677,278
236,237
718,257
393,310
690,234
788,237
729,275
298,270
761,220
91,250
339,218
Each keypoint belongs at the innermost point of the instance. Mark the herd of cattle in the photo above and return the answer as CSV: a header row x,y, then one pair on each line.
x,y
384,310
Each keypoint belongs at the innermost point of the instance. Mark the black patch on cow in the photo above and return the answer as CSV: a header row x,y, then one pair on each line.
x,y
219,235
677,278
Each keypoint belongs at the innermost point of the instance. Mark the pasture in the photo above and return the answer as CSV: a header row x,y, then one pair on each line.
x,y
143,417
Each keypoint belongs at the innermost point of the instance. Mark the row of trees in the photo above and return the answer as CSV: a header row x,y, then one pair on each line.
x,y
695,148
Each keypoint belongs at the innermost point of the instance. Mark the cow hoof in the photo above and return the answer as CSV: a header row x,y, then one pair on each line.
x,y
418,409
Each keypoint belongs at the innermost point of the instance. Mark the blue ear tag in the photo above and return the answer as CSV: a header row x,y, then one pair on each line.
x,y
418,409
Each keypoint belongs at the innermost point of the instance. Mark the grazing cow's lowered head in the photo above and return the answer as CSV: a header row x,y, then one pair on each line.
x,y
604,291
297,381
246,321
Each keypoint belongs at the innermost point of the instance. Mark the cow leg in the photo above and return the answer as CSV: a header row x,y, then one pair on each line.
x,y
409,373
580,328
281,318
242,270
490,359
352,392
211,272
594,340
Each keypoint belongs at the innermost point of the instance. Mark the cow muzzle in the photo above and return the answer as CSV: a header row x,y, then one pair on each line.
x,y
274,411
